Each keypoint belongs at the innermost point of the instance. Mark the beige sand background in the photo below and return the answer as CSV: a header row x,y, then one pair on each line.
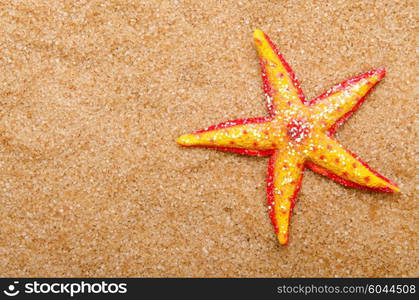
x,y
94,93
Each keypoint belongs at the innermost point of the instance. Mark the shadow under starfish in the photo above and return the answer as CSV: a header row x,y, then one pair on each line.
x,y
297,134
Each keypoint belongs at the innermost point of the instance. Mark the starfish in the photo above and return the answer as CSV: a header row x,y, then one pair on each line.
x,y
297,134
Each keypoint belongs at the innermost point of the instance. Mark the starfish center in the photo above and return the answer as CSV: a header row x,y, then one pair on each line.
x,y
298,130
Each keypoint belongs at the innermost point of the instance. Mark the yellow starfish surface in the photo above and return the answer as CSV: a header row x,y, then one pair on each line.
x,y
297,134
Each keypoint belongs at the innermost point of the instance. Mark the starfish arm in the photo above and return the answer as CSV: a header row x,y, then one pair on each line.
x,y
331,159
280,85
285,172
248,136
333,107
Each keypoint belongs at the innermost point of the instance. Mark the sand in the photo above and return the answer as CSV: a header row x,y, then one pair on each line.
x,y
93,95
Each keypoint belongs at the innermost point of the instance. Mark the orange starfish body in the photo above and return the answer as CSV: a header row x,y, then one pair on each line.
x,y
296,134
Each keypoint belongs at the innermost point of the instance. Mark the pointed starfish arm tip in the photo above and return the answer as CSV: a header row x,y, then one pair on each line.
x,y
185,140
283,238
380,71
258,34
394,188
